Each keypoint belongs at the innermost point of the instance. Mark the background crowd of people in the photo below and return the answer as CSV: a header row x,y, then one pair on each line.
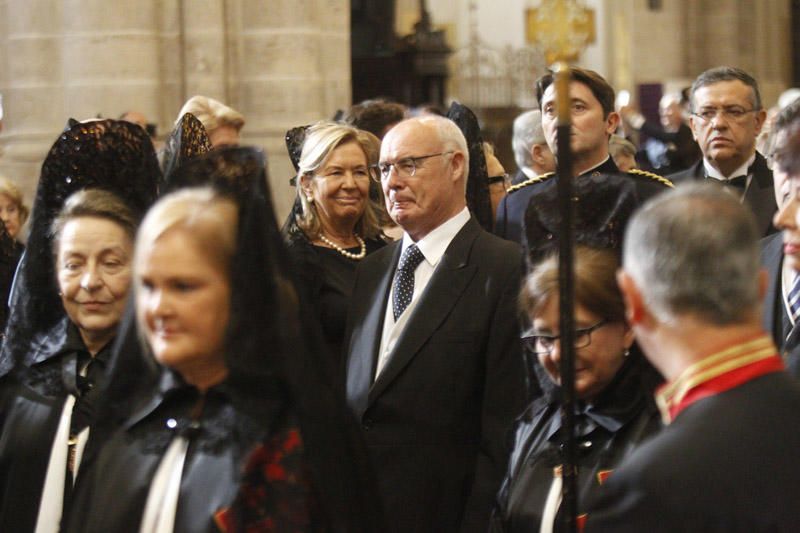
x,y
387,357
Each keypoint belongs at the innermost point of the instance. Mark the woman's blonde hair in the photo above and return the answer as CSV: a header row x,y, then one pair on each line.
x,y
212,113
209,217
595,284
10,189
320,142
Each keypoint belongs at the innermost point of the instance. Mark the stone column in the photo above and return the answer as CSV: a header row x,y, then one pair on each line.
x,y
292,68
71,58
281,63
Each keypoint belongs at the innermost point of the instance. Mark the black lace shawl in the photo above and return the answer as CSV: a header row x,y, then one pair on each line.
x,y
295,138
187,140
603,205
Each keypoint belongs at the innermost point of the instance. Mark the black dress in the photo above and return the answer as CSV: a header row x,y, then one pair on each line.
x,y
31,402
326,277
622,417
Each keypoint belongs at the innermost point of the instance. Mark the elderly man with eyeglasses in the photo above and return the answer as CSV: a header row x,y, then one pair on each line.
x,y
726,118
434,371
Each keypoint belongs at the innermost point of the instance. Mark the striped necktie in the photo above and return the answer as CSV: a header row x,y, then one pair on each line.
x,y
794,299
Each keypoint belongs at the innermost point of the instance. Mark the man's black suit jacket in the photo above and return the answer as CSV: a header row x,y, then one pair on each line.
x,y
436,419
727,463
760,196
775,320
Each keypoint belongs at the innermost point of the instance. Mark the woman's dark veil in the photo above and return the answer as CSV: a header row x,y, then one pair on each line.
x,y
274,349
117,156
188,139
132,373
478,199
295,138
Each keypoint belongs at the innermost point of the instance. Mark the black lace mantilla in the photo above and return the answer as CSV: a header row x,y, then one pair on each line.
x,y
603,205
113,155
478,199
188,140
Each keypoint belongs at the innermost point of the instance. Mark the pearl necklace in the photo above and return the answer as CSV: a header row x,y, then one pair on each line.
x,y
357,257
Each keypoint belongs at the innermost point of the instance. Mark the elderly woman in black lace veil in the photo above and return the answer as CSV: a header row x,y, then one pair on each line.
x,y
97,180
614,383
240,382
337,224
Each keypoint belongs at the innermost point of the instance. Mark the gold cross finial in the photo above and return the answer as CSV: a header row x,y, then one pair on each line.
x,y
561,27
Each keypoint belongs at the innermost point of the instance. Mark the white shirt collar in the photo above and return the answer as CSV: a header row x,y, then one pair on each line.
x,y
712,172
434,244
529,172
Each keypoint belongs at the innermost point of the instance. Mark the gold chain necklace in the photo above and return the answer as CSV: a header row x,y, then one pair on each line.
x,y
350,255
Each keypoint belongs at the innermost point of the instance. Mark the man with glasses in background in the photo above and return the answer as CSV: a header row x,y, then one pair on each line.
x,y
726,118
434,371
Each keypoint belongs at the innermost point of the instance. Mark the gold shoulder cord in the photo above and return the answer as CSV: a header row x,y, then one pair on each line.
x,y
529,181
652,176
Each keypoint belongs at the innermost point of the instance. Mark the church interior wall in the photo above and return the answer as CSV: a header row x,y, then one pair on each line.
x,y
285,63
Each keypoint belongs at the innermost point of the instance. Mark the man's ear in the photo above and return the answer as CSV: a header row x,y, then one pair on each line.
x,y
760,118
612,122
635,309
458,166
693,126
536,154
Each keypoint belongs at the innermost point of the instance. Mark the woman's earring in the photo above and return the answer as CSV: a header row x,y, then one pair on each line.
x,y
626,353
310,199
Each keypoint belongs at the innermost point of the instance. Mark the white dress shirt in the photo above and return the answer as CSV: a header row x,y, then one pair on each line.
x,y
432,246
162,500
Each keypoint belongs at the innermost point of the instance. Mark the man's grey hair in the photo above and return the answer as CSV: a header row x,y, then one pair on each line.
x,y
527,132
694,251
718,74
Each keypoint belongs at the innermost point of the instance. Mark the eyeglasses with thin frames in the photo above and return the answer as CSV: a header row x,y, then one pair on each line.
x,y
543,344
729,113
405,167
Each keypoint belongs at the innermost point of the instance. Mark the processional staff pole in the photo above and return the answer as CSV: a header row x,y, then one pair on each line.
x,y
562,28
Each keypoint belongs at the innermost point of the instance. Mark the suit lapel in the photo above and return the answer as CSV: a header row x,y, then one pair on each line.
x,y
760,196
366,335
698,171
449,280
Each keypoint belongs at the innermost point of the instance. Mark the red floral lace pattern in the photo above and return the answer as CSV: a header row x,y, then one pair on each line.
x,y
275,493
